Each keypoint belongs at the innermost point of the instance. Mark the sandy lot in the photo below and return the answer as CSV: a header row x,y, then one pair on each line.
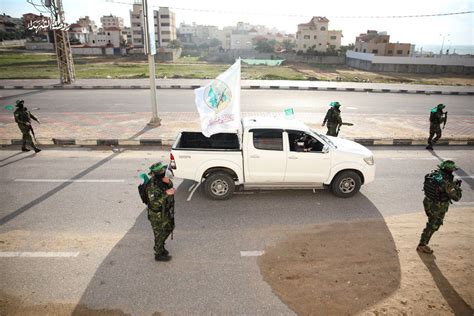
x,y
372,268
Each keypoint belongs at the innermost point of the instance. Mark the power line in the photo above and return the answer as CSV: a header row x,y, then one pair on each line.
x,y
308,16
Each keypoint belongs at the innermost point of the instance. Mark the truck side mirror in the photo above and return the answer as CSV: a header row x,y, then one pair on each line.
x,y
325,149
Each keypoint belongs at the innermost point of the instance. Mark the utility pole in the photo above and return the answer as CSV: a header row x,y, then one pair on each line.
x,y
150,50
61,38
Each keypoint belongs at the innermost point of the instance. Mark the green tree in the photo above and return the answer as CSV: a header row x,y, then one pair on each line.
x,y
174,44
264,45
288,45
215,43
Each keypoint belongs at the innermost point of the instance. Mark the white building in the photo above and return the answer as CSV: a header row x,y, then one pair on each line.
x,y
316,35
111,21
242,39
107,37
164,22
165,26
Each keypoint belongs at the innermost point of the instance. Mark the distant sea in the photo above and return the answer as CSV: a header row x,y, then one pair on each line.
x,y
458,49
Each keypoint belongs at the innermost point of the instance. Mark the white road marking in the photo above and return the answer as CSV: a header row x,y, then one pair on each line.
x,y
71,180
251,253
351,108
463,204
412,158
191,187
38,254
192,192
465,177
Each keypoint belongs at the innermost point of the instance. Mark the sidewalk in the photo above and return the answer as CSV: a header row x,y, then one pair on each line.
x,y
105,128
246,84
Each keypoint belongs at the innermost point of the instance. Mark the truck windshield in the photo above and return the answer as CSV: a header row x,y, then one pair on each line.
x,y
325,139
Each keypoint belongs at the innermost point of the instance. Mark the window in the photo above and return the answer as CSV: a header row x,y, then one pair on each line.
x,y
268,139
315,37
365,51
304,45
108,33
356,49
165,40
385,41
323,28
307,37
375,51
165,24
390,52
333,37
165,32
165,16
302,142
93,41
399,52
320,44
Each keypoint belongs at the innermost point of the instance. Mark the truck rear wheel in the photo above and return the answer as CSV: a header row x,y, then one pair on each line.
x,y
346,184
219,186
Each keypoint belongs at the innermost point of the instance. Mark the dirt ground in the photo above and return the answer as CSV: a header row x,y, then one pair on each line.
x,y
344,73
372,268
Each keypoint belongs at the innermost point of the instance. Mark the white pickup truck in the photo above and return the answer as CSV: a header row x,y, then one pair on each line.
x,y
271,154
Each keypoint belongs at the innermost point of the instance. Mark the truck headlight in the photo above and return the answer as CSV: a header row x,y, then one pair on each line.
x,y
369,160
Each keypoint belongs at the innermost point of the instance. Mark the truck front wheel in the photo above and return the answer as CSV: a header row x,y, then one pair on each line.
x,y
346,184
219,186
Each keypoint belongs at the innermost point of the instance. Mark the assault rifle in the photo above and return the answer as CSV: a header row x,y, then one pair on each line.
x,y
344,123
445,119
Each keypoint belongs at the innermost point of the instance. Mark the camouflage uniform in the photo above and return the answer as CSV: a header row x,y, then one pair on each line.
x,y
333,119
436,119
23,119
447,191
160,212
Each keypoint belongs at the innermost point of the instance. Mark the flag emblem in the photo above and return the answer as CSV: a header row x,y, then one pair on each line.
x,y
217,95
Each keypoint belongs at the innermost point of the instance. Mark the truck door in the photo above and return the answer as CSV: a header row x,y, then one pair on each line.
x,y
307,162
265,158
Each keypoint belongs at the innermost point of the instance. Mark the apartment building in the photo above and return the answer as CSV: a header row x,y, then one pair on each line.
x,y
165,27
378,43
316,35
164,22
88,24
111,21
136,21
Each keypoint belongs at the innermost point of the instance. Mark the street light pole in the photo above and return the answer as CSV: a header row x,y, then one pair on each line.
x,y
150,50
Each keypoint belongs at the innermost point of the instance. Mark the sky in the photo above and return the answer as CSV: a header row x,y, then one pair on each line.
x,y
286,15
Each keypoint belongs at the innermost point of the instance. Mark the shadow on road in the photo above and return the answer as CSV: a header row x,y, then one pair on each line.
x,y
24,94
338,268
11,156
17,160
208,276
57,189
455,301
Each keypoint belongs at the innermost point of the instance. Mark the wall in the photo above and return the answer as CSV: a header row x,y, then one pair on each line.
x,y
463,64
39,46
92,51
231,55
13,43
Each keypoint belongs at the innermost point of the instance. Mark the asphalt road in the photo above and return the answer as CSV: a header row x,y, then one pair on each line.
x,y
101,226
252,101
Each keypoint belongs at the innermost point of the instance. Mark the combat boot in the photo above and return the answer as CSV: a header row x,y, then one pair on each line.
x,y
429,147
24,149
37,150
424,249
162,257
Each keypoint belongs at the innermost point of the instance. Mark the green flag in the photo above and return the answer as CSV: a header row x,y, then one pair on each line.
x,y
289,113
9,107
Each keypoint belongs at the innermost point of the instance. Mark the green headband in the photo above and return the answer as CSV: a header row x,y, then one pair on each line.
x,y
447,165
157,167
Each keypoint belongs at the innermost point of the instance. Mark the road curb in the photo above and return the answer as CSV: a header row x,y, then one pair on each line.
x,y
246,87
168,142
